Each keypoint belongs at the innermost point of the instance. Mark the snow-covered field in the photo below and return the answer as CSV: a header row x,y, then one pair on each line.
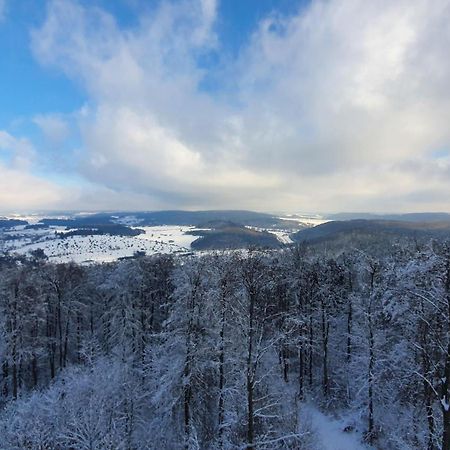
x,y
105,248
282,236
310,220
99,248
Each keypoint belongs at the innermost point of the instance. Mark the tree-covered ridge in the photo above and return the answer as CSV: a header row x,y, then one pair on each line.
x,y
223,351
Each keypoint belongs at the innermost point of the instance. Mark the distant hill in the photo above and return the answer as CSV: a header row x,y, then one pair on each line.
x,y
334,229
156,218
8,223
234,237
90,220
197,218
408,217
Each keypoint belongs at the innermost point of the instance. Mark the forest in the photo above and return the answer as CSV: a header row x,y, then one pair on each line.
x,y
225,350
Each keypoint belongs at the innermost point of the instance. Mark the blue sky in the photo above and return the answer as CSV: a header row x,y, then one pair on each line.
x,y
27,88
320,105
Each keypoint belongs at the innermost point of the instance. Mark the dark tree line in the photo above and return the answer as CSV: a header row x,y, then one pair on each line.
x,y
224,351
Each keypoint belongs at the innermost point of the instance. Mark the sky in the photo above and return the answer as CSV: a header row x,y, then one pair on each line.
x,y
269,105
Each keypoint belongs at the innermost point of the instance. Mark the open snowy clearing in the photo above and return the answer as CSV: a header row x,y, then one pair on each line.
x,y
330,434
101,248
107,248
308,220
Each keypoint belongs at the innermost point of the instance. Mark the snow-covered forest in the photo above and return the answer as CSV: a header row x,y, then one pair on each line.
x,y
227,350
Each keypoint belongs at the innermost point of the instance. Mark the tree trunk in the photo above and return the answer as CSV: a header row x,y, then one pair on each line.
x,y
445,402
370,431
325,333
221,418
66,340
187,394
5,374
370,383
310,348
14,370
60,333
79,325
51,344
301,351
250,374
301,363
187,388
349,331
445,380
34,371
14,356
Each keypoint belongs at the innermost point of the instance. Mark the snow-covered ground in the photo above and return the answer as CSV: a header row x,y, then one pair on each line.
x,y
329,432
283,236
100,248
310,220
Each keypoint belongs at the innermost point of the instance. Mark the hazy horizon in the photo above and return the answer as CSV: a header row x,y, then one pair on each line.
x,y
55,212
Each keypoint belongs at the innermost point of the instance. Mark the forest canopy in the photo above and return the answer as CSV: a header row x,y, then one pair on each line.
x,y
225,350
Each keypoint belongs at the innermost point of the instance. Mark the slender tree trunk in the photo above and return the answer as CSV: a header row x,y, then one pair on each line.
x,y
129,422
301,351
310,349
34,362
51,340
66,340
143,336
250,373
79,325
427,391
14,356
250,418
14,369
445,402
221,418
284,356
34,370
349,330
430,417
445,380
370,381
370,375
59,328
301,370
5,374
325,333
187,389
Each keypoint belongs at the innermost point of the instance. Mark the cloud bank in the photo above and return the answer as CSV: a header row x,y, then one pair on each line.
x,y
20,188
341,106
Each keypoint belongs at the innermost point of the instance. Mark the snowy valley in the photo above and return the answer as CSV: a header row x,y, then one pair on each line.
x,y
62,243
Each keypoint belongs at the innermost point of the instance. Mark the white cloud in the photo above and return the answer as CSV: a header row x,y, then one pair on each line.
x,y
54,127
18,151
328,109
23,188
19,187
